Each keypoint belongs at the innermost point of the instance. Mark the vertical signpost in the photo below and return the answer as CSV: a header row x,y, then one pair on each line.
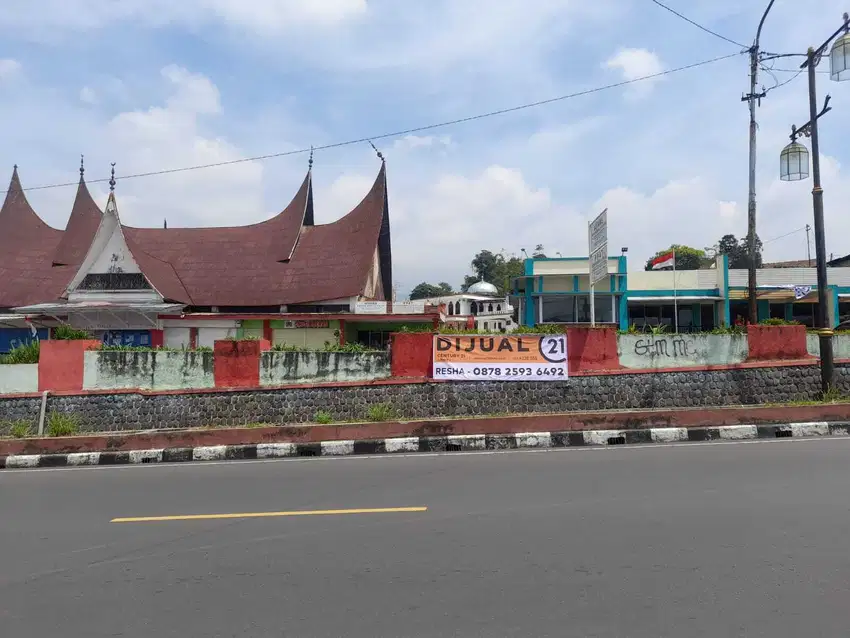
x,y
597,250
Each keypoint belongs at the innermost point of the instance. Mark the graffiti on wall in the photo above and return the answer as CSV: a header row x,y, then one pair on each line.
x,y
672,346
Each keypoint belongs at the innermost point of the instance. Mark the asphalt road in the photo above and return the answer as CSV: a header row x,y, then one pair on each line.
x,y
690,540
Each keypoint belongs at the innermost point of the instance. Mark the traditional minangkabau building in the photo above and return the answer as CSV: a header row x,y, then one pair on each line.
x,y
286,279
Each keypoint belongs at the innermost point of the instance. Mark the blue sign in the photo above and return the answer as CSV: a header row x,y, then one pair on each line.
x,y
137,338
11,338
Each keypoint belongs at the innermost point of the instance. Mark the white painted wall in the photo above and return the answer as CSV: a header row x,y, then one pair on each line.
x,y
175,337
207,336
18,377
643,352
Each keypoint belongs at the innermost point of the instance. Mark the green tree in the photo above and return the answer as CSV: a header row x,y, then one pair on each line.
x,y
687,258
495,269
426,290
736,251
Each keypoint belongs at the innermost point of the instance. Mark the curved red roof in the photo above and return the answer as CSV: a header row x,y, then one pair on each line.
x,y
284,260
244,265
27,245
80,230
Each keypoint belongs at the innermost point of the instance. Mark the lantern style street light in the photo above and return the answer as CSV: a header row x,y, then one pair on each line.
x,y
794,166
794,161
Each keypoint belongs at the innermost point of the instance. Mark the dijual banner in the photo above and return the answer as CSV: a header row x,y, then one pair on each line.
x,y
500,357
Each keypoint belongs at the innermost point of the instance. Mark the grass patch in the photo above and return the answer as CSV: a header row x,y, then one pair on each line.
x,y
62,424
27,353
323,417
19,429
381,412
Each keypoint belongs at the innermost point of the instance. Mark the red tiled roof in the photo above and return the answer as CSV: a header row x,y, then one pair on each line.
x,y
27,245
282,261
243,265
80,230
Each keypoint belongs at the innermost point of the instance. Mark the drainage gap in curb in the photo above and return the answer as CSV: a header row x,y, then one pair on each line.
x,y
453,447
784,434
147,459
616,440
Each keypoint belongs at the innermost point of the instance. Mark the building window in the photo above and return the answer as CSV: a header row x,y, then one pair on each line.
x,y
805,313
451,308
485,326
490,308
457,307
499,308
559,309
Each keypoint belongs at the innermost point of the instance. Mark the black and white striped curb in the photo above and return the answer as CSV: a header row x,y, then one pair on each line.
x,y
457,443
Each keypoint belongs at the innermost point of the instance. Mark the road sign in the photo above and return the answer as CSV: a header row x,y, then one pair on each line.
x,y
599,264
598,232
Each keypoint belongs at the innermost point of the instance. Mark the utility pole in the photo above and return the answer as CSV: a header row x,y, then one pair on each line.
x,y
808,245
752,98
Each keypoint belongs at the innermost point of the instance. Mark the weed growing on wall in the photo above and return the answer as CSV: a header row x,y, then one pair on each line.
x,y
778,322
22,354
62,424
322,417
381,412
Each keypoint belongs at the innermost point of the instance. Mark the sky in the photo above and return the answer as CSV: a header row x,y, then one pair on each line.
x,y
157,84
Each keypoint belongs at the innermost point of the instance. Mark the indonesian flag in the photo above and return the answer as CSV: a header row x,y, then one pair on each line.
x,y
667,260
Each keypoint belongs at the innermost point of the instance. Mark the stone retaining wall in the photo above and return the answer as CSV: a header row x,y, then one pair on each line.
x,y
132,411
285,368
147,370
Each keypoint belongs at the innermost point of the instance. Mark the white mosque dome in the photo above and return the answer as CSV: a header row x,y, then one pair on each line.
x,y
484,289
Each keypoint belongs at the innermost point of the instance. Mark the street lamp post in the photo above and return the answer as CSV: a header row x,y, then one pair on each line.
x,y
794,166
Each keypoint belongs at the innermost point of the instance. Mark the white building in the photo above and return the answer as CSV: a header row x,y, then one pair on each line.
x,y
480,306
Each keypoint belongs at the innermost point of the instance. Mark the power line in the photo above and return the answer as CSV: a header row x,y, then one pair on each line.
x,y
418,129
699,26
793,232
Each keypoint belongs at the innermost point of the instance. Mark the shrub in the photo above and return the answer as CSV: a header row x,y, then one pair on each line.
x,y
19,429
62,424
67,333
381,412
323,417
27,353
778,322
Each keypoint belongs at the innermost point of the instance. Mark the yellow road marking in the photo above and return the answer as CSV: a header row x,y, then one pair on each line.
x,y
203,517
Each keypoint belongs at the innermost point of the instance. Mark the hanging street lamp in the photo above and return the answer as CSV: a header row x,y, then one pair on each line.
x,y
794,166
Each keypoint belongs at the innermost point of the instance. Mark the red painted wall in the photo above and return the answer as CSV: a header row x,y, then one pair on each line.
x,y
592,349
236,364
411,354
767,343
157,338
60,364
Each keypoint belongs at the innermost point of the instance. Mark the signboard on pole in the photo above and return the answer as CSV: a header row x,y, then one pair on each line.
x,y
598,232
500,357
597,253
599,264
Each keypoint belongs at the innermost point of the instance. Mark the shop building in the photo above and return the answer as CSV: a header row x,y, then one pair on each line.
x,y
558,291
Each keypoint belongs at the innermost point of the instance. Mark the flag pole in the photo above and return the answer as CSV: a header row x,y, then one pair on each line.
x,y
675,302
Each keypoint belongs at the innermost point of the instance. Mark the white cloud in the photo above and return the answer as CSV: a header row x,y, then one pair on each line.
x,y
173,135
681,212
635,64
8,68
410,142
439,224
88,95
269,16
